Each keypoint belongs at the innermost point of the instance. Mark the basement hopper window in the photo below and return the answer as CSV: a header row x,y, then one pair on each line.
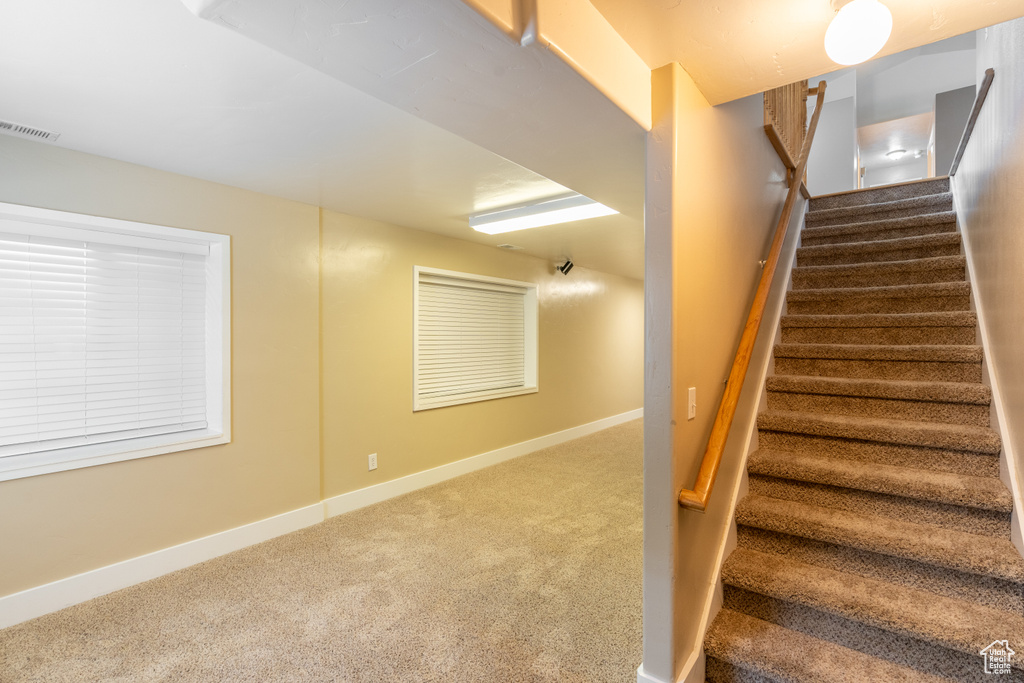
x,y
114,340
474,338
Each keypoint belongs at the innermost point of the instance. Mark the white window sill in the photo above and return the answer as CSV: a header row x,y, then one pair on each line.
x,y
47,462
427,404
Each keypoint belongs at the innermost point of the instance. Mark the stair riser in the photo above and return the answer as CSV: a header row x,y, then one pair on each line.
x,y
894,336
880,194
717,671
868,213
900,649
904,304
838,256
900,409
808,238
931,436
957,518
890,277
921,457
985,590
879,369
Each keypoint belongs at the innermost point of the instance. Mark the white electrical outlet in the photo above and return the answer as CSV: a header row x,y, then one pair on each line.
x,y
373,461
691,403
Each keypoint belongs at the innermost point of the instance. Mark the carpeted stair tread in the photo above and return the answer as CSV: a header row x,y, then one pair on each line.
x,y
873,320
920,246
971,553
931,203
875,228
996,593
986,493
881,361
969,520
926,290
911,352
940,239
932,269
956,624
931,297
970,438
904,399
939,392
885,193
782,654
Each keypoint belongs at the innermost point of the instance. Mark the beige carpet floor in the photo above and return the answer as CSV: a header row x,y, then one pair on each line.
x,y
526,571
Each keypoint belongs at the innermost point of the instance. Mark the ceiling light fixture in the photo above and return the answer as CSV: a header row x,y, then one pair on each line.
x,y
896,154
859,30
550,212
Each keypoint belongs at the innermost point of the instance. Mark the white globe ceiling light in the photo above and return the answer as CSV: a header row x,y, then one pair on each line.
x,y
858,31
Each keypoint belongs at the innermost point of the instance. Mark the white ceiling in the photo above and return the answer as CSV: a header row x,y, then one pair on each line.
x,y
152,84
413,112
734,48
910,133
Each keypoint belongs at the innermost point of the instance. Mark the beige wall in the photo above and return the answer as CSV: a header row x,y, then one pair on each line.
x,y
57,525
591,358
989,189
590,353
715,191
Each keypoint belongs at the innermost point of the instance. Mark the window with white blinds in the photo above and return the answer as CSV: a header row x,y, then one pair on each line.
x,y
475,338
111,340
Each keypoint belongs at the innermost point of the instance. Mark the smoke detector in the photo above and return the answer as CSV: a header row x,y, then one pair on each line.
x,y
510,247
19,130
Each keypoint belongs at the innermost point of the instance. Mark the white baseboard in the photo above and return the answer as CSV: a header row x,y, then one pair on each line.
x,y
644,677
693,671
347,502
35,602
50,597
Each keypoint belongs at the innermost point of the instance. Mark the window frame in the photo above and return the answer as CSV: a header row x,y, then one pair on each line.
x,y
531,384
218,346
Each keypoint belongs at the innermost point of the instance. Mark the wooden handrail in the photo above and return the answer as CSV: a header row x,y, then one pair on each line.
x,y
697,498
986,83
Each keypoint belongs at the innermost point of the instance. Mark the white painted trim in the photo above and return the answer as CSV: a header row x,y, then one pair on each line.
x,y
531,336
50,597
1008,460
355,500
217,248
644,677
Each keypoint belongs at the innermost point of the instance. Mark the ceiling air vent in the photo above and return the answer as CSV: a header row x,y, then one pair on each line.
x,y
20,131
511,247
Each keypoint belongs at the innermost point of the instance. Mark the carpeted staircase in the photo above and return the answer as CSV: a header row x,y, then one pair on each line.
x,y
874,541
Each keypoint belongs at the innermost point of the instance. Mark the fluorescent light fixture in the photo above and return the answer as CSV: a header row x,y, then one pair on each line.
x,y
551,212
896,154
858,31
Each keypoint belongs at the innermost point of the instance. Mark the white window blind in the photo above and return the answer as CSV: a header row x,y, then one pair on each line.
x,y
111,342
98,342
475,338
